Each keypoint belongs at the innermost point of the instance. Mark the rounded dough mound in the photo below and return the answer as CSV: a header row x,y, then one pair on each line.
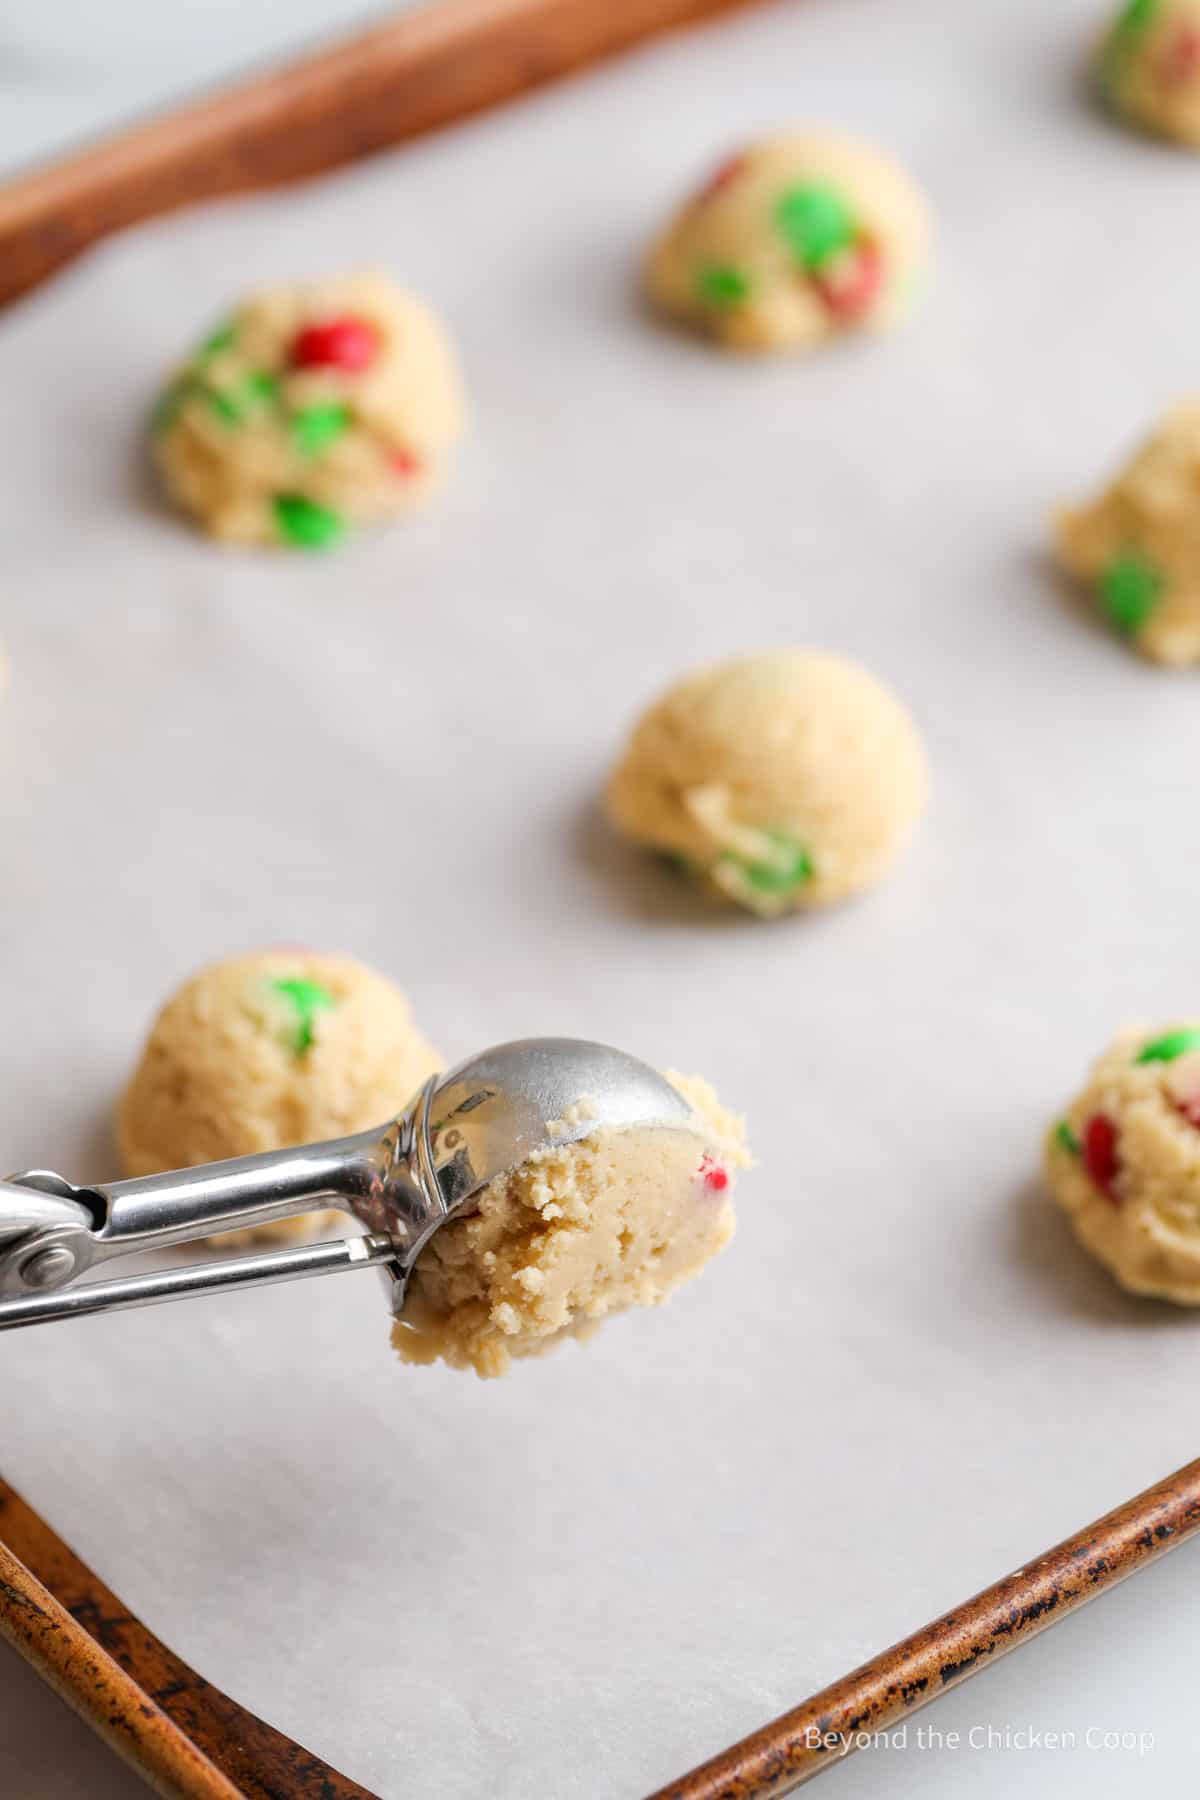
x,y
1149,67
1124,1162
784,780
265,1051
615,1220
792,241
311,409
1138,546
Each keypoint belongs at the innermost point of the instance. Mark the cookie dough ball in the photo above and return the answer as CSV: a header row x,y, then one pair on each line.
x,y
783,780
1150,67
311,409
265,1051
790,242
1124,1162
1138,546
615,1220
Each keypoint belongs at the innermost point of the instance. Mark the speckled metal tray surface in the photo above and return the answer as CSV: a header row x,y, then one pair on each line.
x,y
902,1378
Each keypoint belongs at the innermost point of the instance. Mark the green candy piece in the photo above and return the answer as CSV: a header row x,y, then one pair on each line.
x,y
1130,588
1137,17
1065,1137
224,405
1130,26
231,406
222,339
721,285
794,867
308,998
314,429
303,523
1167,1048
816,222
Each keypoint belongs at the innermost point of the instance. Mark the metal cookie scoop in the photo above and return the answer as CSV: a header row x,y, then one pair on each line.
x,y
463,1130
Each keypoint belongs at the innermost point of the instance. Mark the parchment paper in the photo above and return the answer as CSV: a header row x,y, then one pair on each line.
x,y
70,71
903,1378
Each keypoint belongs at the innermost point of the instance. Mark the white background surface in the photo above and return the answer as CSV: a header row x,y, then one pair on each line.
x,y
903,1379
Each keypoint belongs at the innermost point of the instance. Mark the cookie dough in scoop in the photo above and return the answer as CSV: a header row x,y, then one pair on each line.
x,y
310,410
613,1220
792,241
784,780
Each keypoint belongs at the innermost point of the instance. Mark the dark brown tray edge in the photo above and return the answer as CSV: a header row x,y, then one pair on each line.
x,y
103,1695
180,1732
817,1734
408,76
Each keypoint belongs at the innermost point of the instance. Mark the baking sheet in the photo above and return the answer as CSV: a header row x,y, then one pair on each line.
x,y
902,1378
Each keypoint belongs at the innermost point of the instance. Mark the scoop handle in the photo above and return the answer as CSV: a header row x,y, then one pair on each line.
x,y
56,1232
243,1193
202,1278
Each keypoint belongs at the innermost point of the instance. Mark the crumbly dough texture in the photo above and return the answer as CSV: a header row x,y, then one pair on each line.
x,y
792,241
310,410
1149,67
783,780
266,1051
1137,547
1123,1161
617,1219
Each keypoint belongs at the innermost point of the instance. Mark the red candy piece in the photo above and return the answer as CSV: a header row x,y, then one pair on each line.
x,y
1190,1108
1100,1153
851,281
715,1177
721,177
404,462
1181,58
347,342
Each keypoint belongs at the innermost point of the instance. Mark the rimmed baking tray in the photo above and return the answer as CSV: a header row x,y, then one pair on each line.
x,y
629,1556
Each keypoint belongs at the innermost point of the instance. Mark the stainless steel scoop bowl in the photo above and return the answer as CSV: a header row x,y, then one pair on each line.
x,y
464,1129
